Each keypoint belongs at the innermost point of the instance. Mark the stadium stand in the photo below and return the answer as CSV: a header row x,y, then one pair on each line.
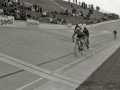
x,y
53,11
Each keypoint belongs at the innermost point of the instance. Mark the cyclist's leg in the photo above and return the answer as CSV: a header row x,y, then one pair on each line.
x,y
81,43
115,36
78,43
86,42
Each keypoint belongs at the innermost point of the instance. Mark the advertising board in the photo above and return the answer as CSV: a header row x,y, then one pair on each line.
x,y
6,21
32,23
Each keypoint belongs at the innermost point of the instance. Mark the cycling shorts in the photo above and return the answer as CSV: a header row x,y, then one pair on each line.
x,y
80,36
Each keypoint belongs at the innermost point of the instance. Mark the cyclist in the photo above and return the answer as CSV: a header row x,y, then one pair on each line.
x,y
80,36
77,26
86,32
115,34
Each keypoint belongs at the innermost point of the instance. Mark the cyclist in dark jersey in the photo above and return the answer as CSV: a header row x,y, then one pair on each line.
x,y
115,34
86,32
80,36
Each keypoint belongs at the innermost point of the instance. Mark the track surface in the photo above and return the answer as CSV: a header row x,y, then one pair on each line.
x,y
31,58
106,77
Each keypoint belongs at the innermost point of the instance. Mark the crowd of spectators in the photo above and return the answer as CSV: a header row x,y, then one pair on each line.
x,y
58,21
20,11
80,13
88,16
11,8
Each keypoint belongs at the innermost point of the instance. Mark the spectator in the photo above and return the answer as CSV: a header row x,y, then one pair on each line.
x,y
68,1
18,3
40,9
54,16
1,11
81,13
89,6
74,11
76,1
44,14
97,8
91,11
71,5
79,3
92,7
85,5
51,20
66,12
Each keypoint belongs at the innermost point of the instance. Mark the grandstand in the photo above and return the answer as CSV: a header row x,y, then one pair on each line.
x,y
96,14
56,7
45,4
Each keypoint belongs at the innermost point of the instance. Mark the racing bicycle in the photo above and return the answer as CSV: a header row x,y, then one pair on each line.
x,y
79,47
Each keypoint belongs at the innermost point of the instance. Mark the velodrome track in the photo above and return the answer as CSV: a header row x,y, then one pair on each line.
x,y
34,59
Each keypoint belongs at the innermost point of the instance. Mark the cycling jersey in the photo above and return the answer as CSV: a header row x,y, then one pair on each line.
x,y
76,27
79,33
86,32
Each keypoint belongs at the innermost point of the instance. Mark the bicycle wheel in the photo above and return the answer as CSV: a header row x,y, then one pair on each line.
x,y
77,50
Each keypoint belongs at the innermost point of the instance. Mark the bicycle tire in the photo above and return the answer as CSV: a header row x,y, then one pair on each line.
x,y
77,50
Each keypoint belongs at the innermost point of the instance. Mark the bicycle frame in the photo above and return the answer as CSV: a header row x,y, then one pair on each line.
x,y
78,46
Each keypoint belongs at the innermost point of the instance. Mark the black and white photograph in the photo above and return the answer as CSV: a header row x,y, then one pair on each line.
x,y
59,44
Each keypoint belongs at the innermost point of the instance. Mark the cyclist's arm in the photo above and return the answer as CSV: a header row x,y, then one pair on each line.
x,y
75,28
73,36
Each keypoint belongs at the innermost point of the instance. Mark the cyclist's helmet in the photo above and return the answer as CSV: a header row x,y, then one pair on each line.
x,y
76,24
85,28
79,28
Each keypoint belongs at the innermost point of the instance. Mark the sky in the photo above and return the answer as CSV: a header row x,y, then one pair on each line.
x,y
112,6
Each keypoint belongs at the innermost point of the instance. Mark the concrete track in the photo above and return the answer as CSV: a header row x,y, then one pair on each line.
x,y
106,77
44,59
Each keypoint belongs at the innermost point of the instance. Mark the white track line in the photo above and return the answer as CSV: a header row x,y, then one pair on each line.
x,y
84,57
29,84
